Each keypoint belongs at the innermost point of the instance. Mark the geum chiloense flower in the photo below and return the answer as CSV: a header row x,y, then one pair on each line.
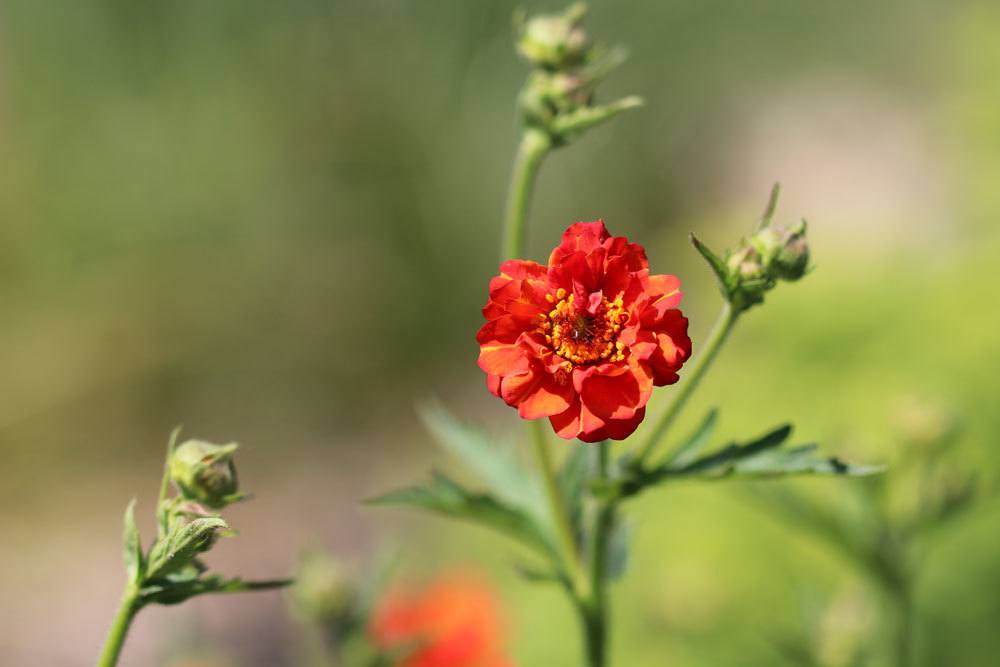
x,y
584,340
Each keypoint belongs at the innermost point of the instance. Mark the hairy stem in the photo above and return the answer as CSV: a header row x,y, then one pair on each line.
x,y
720,332
534,146
127,610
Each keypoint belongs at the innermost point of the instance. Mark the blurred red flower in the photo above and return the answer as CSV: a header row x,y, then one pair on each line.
x,y
454,621
584,340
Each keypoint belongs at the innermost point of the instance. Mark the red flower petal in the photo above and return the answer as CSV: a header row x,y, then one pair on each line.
x,y
536,394
617,397
500,359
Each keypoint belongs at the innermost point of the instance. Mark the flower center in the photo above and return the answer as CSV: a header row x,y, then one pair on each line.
x,y
583,335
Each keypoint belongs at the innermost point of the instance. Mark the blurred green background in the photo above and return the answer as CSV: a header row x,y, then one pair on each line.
x,y
275,223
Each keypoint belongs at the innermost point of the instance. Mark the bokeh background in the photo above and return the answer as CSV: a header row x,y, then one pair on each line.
x,y
274,223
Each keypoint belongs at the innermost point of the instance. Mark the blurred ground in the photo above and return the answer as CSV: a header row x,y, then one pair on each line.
x,y
274,223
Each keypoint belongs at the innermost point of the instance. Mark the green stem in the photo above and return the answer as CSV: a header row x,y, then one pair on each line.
x,y
596,610
557,506
534,146
127,610
723,325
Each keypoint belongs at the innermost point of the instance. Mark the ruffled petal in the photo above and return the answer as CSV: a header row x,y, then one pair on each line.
x,y
501,359
673,347
665,295
582,237
618,396
536,394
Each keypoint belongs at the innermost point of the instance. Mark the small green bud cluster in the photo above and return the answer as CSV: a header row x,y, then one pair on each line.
x,y
171,570
774,252
558,98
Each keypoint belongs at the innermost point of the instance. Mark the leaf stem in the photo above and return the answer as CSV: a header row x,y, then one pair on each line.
x,y
127,610
559,514
532,150
720,332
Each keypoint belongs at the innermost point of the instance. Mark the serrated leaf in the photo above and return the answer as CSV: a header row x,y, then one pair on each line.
x,y
446,497
492,462
175,593
803,459
132,546
763,457
696,442
723,461
184,541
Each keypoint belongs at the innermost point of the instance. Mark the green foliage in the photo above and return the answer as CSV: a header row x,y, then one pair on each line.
x,y
762,457
132,547
171,571
184,540
445,496
493,461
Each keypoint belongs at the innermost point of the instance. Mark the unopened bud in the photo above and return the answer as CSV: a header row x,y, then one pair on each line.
x,y
205,473
322,592
784,249
556,41
745,263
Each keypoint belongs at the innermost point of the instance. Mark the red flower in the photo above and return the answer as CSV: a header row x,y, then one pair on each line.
x,y
583,341
453,622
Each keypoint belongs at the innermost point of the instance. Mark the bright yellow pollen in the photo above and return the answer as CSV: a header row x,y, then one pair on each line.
x,y
580,338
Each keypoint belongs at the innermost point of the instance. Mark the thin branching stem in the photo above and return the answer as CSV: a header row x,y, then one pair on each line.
x,y
678,398
559,513
127,610
534,146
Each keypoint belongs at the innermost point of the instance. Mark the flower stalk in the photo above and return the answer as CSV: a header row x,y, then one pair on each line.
x,y
558,511
531,152
127,610
678,399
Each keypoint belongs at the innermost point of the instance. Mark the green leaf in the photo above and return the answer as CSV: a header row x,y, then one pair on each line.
x,y
184,541
446,497
175,593
723,461
763,457
132,546
572,123
494,463
717,265
772,204
696,442
542,576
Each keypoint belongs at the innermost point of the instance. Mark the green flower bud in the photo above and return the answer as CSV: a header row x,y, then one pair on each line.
x,y
745,264
205,473
555,41
322,592
784,249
